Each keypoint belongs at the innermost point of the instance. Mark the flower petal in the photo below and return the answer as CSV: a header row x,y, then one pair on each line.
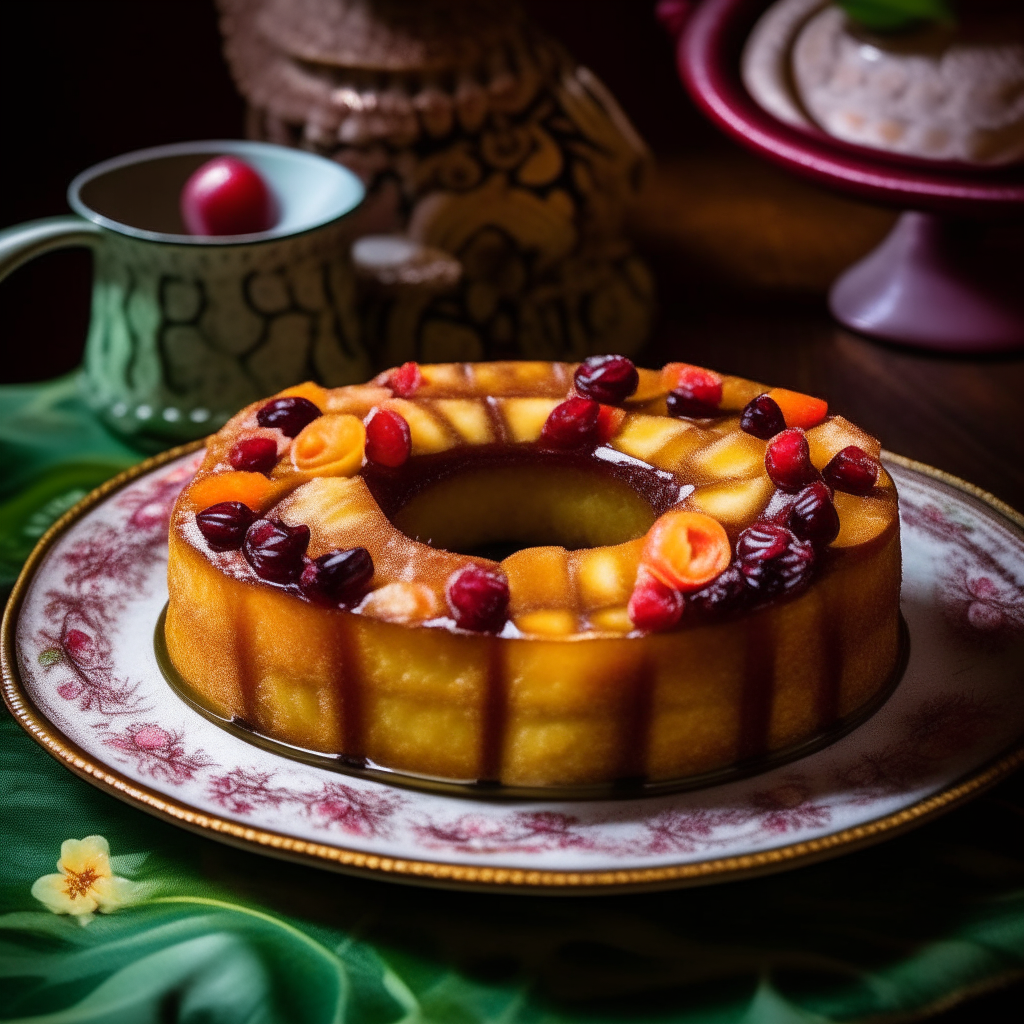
x,y
51,891
114,892
89,854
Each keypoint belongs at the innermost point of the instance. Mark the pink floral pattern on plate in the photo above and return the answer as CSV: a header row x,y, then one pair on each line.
x,y
86,659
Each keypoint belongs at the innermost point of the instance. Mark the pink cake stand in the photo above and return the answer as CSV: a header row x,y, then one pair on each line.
x,y
933,282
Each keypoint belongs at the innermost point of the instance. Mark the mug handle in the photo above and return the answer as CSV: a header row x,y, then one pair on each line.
x,y
25,242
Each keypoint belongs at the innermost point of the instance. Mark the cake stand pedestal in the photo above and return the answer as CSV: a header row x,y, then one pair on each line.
x,y
934,282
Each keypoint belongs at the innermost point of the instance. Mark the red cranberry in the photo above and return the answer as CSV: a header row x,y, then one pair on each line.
x,y
289,414
227,197
224,525
388,441
573,424
254,454
761,542
773,560
762,417
405,380
478,598
726,593
683,405
813,517
275,550
607,379
697,393
340,576
704,385
852,470
653,606
788,461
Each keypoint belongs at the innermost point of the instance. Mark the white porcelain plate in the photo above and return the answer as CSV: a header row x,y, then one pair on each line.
x,y
81,676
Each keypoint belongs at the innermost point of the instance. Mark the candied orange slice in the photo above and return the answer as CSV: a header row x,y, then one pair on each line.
x,y
685,550
252,489
799,410
330,445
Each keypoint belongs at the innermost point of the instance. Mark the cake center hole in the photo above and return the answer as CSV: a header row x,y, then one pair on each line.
x,y
494,511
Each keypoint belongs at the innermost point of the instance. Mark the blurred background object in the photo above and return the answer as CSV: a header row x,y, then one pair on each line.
x,y
926,79
477,134
939,281
186,328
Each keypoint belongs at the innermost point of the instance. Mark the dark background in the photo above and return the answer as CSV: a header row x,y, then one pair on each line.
x,y
742,253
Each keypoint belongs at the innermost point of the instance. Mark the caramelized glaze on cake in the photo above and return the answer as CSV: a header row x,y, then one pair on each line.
x,y
596,651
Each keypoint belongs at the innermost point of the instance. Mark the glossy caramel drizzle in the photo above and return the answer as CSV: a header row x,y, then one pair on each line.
x,y
758,690
247,678
635,739
495,715
350,687
829,692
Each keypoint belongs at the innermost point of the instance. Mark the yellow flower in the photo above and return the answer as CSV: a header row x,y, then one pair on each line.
x,y
85,883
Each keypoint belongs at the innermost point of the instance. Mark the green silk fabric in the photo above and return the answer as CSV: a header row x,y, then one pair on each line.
x,y
230,937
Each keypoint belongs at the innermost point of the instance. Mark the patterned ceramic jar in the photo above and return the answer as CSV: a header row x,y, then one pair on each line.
x,y
185,329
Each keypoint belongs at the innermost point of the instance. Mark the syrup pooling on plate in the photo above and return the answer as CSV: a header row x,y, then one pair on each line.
x,y
635,503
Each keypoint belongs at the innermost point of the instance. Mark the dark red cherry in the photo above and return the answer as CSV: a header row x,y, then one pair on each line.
x,y
813,517
685,403
761,542
226,196
223,525
653,606
725,593
572,424
289,414
852,470
340,576
275,550
773,560
788,461
388,440
478,598
607,379
762,417
254,454
779,506
404,380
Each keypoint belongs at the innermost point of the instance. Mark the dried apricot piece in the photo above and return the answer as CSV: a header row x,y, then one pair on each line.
x,y
252,489
331,445
686,550
799,410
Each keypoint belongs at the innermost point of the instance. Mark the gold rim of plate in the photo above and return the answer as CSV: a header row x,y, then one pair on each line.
x,y
436,873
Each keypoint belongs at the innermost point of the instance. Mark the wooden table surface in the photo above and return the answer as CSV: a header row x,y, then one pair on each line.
x,y
742,252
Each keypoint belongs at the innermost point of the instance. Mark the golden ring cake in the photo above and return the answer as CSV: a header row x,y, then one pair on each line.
x,y
534,574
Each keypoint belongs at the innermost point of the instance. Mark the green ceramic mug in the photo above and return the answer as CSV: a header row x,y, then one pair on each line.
x,y
185,330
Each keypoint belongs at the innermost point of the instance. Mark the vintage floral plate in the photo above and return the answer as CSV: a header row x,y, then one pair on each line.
x,y
81,675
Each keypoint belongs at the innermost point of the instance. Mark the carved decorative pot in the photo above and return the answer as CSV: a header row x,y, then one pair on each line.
x,y
475,134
